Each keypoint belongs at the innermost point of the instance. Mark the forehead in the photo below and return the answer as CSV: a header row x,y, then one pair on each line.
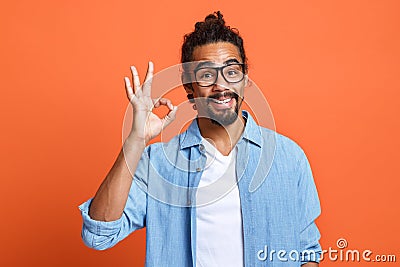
x,y
216,52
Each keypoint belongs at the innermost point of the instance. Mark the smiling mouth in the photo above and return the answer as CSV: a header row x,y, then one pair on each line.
x,y
226,100
223,98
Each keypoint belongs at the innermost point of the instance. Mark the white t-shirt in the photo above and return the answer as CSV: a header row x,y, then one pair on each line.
x,y
219,218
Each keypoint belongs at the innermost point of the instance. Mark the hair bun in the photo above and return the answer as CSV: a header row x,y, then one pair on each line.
x,y
212,19
216,17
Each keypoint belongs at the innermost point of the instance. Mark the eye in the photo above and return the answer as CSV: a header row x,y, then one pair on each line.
x,y
232,72
205,74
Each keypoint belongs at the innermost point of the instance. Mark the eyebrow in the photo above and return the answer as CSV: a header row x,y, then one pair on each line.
x,y
210,63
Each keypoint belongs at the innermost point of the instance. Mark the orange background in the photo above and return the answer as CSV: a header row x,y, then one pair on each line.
x,y
329,69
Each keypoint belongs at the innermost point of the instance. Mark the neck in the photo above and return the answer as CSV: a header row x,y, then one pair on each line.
x,y
224,137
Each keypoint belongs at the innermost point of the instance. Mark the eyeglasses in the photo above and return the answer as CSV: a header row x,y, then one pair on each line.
x,y
207,76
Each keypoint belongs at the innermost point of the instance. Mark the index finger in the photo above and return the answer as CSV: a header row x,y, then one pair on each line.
x,y
146,88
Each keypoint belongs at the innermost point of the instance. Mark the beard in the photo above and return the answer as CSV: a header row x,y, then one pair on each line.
x,y
226,116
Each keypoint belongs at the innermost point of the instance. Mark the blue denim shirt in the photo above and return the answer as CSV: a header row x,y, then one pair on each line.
x,y
279,201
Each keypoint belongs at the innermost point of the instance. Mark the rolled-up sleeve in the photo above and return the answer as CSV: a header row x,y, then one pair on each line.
x,y
309,207
101,235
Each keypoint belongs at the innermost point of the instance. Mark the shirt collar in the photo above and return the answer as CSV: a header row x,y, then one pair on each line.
x,y
252,132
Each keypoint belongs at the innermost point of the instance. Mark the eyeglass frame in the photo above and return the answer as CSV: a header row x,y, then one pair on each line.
x,y
219,69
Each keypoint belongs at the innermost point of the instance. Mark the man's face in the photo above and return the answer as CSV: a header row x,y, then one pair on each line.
x,y
221,101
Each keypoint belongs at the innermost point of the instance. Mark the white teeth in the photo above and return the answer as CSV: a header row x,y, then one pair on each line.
x,y
222,101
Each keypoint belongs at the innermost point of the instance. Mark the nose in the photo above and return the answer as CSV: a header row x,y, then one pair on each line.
x,y
220,83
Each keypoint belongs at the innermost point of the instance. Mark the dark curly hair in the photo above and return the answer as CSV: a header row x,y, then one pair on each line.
x,y
211,30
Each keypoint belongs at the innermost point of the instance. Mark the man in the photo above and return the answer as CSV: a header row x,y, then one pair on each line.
x,y
194,194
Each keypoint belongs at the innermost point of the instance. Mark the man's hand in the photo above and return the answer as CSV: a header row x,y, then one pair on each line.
x,y
146,125
110,199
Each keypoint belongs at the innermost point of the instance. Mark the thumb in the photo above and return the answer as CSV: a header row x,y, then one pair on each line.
x,y
169,117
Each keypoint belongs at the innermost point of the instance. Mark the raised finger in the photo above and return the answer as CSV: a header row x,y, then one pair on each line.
x,y
136,81
148,80
128,88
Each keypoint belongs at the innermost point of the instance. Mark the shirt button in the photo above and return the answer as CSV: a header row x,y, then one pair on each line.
x,y
198,169
202,147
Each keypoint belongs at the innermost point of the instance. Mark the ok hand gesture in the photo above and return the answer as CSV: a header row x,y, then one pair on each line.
x,y
146,125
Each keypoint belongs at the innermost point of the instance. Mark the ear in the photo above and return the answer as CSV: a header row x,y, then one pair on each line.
x,y
247,82
189,90
186,82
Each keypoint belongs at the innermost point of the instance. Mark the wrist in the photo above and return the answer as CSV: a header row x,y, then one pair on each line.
x,y
136,141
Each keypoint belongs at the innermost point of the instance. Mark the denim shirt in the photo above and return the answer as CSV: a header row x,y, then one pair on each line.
x,y
279,201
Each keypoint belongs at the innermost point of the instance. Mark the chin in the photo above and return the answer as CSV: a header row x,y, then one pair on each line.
x,y
223,117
